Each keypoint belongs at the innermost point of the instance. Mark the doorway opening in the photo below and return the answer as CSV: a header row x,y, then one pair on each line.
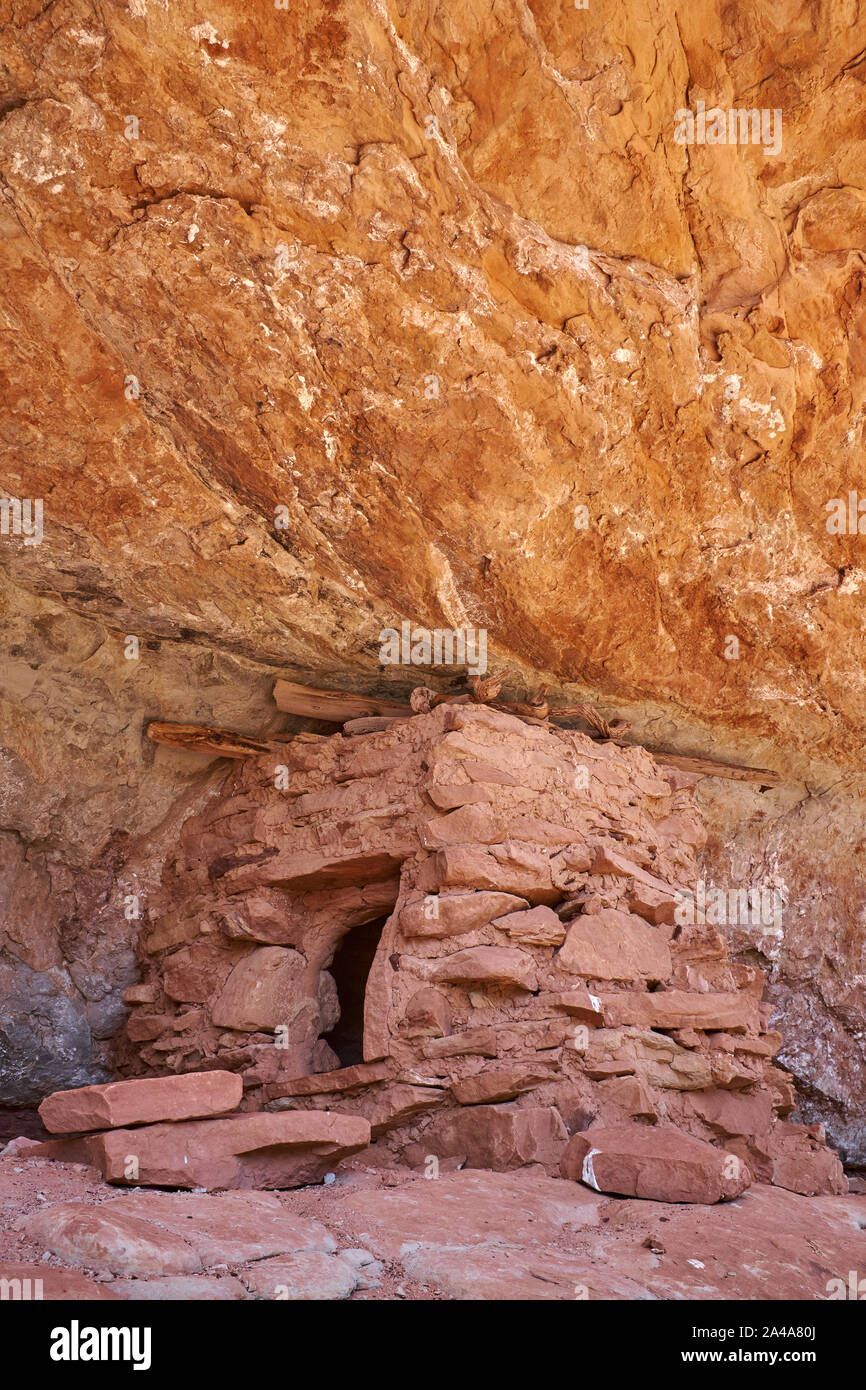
x,y
350,969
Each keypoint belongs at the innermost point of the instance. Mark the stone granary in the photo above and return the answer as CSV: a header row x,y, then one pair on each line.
x,y
461,930
643,435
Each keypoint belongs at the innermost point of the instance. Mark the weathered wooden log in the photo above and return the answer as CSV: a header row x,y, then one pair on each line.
x,y
486,689
706,767
195,738
702,767
591,716
334,705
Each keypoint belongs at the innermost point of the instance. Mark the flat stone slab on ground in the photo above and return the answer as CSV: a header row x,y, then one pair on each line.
x,y
97,1238
257,1150
229,1227
484,1208
181,1288
307,1276
504,1272
167,1234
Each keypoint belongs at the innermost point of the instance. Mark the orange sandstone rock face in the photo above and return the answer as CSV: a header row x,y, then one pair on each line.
x,y
343,315
331,245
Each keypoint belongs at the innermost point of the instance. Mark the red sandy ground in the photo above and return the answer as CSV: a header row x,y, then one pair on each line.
x,y
518,1235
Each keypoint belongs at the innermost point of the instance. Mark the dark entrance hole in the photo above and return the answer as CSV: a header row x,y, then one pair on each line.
x,y
350,968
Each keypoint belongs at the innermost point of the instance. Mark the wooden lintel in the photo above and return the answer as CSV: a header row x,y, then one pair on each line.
x,y
706,767
341,707
334,705
195,738
702,767
224,743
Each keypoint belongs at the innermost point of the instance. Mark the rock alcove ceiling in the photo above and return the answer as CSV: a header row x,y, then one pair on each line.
x,y
321,320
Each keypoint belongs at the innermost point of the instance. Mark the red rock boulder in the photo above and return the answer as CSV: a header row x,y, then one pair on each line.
x,y
195,1095
654,1162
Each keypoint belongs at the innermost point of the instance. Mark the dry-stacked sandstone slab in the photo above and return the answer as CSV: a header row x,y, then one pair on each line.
x,y
139,1102
237,1151
182,1136
503,898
